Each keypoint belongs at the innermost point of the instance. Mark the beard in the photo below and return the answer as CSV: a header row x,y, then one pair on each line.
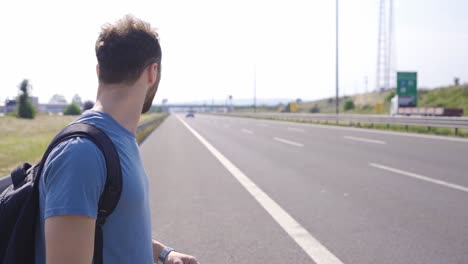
x,y
150,96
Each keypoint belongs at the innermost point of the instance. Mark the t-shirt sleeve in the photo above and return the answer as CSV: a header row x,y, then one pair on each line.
x,y
73,179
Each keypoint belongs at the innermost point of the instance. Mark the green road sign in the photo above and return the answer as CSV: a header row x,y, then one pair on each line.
x,y
407,88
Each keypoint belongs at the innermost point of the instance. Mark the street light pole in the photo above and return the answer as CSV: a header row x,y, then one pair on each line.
x,y
336,63
255,87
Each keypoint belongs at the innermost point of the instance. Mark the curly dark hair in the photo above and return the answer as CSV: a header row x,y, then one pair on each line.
x,y
125,49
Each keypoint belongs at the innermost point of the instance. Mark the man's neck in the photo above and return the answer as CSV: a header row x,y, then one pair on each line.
x,y
123,103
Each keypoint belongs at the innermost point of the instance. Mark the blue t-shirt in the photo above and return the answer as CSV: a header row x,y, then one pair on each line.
x,y
73,180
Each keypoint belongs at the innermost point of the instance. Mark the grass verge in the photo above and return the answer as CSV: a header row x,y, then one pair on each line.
x,y
24,140
149,116
144,133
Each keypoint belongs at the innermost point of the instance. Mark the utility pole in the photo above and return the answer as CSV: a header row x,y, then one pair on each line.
x,y
255,87
366,88
226,105
391,52
337,59
366,84
385,47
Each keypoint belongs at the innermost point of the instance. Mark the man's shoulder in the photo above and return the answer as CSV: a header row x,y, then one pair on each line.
x,y
74,149
77,155
73,179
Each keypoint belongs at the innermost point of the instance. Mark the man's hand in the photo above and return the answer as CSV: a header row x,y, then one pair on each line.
x,y
179,258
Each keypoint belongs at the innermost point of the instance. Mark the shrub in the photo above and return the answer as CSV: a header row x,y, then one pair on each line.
x,y
367,107
389,96
348,105
157,109
26,110
315,109
72,109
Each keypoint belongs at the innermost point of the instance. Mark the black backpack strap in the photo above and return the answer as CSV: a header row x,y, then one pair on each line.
x,y
113,186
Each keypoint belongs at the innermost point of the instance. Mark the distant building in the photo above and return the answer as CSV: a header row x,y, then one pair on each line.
x,y
56,105
10,106
77,100
164,107
58,99
35,101
52,108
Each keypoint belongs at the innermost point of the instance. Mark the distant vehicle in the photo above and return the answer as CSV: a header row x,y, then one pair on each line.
x,y
190,114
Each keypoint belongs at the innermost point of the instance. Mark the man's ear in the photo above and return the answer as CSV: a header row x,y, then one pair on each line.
x,y
97,70
152,73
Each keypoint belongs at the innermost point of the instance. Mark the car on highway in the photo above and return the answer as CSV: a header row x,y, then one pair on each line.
x,y
190,114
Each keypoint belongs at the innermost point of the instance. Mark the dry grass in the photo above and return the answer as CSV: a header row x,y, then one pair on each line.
x,y
449,97
143,134
149,116
24,140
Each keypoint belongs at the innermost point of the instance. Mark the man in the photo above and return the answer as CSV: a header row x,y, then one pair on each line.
x,y
129,70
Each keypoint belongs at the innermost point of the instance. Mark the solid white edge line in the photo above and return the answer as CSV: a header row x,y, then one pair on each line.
x,y
420,177
289,142
247,131
365,140
312,247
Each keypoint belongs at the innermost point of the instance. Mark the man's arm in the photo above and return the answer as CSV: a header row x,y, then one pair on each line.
x,y
173,257
69,239
73,179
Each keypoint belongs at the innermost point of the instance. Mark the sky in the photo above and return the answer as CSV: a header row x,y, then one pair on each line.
x,y
211,48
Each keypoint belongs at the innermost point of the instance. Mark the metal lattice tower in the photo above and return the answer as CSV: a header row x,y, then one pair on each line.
x,y
385,50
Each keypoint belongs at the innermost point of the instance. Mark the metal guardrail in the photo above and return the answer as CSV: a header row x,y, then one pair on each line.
x,y
6,180
150,122
424,121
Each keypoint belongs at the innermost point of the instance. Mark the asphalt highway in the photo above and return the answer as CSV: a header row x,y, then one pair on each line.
x,y
238,190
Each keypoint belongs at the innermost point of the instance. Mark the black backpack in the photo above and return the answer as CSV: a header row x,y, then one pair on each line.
x,y
19,203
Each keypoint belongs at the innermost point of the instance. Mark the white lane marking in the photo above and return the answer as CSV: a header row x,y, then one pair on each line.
x,y
227,126
312,247
285,141
262,125
247,131
364,130
421,177
296,129
365,140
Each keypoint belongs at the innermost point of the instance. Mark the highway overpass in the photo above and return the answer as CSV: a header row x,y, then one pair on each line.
x,y
200,107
